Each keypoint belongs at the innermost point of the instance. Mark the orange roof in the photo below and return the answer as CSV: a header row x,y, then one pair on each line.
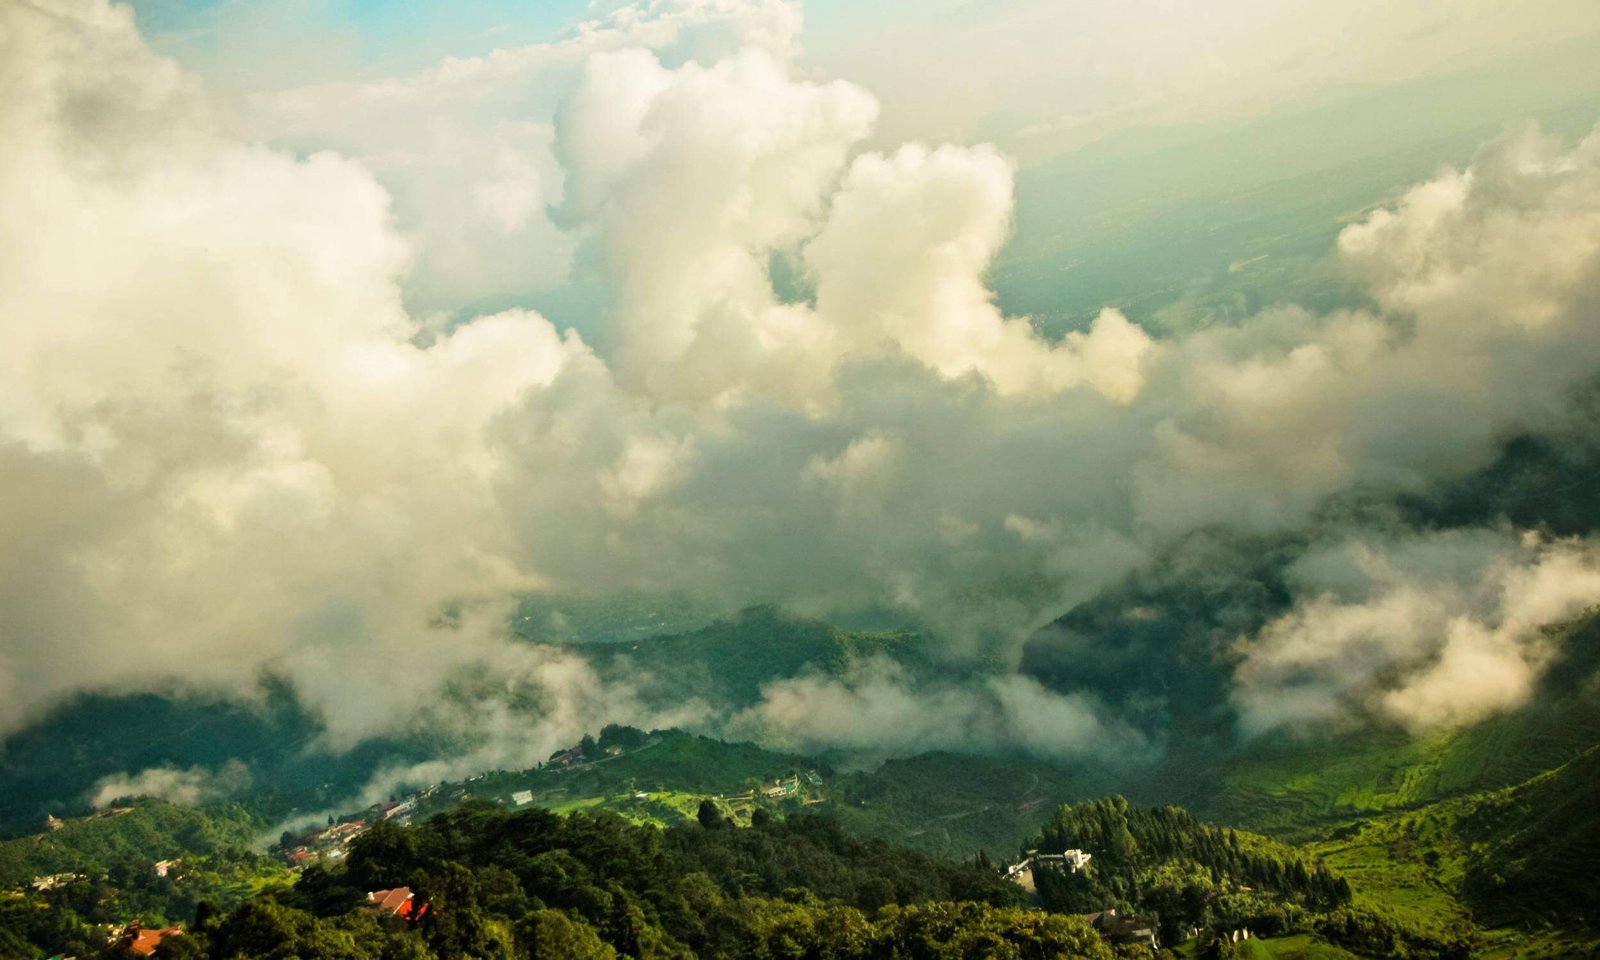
x,y
399,902
144,942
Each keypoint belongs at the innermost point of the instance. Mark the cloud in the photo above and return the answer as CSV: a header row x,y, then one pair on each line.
x,y
222,447
696,178
901,262
878,709
467,148
515,707
1429,630
230,447
189,787
1486,281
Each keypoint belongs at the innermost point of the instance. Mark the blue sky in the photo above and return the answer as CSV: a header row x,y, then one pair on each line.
x,y
379,35
397,36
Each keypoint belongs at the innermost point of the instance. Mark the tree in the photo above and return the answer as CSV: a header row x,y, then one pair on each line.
x,y
1216,945
708,814
382,857
552,935
186,947
617,735
12,945
453,922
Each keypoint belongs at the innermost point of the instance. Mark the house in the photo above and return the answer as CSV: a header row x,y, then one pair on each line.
x,y
782,788
1123,929
144,942
398,808
1073,860
163,867
522,797
399,902
53,881
566,758
53,822
1021,874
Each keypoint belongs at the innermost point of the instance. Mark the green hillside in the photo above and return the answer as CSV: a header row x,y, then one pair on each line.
x,y
943,804
1184,875
142,832
1301,788
1510,868
955,806
57,886
1534,848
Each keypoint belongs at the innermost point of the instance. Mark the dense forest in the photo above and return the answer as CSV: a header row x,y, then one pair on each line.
x,y
536,884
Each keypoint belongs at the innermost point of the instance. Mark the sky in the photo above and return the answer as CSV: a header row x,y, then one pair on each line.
x,y
329,331
1036,76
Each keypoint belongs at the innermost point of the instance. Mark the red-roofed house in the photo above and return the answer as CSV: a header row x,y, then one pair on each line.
x,y
144,942
398,902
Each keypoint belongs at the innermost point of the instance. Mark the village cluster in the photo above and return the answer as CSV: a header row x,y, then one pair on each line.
x,y
331,842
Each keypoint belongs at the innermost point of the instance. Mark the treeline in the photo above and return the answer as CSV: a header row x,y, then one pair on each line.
x,y
1133,847
533,884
